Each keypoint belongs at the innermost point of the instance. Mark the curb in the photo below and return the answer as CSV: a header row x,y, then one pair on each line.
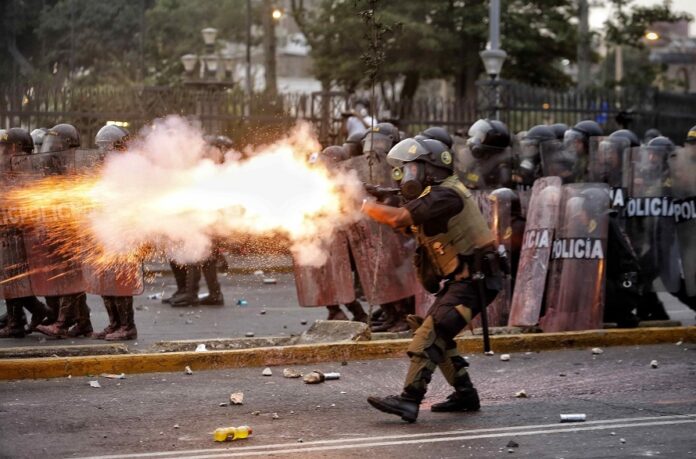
x,y
40,368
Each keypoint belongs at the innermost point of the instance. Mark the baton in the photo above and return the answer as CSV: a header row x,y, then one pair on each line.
x,y
479,277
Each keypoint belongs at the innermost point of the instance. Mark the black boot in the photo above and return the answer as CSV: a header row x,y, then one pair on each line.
x,y
83,327
359,314
190,296
399,405
179,272
15,320
40,314
389,317
214,297
464,398
335,313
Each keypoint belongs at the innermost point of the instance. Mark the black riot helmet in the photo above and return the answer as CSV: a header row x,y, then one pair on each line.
x,y
559,129
659,150
112,138
438,133
333,154
418,164
16,141
691,136
540,133
222,142
628,135
37,135
530,150
650,134
353,143
380,139
60,137
577,138
487,137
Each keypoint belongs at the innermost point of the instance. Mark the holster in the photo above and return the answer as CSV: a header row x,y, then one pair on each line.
x,y
489,263
425,271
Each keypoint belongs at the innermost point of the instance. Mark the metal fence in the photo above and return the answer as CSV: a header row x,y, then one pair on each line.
x,y
261,118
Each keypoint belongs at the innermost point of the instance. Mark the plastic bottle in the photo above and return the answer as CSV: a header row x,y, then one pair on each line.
x,y
231,433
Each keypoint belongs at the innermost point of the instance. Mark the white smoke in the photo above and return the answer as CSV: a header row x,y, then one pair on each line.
x,y
164,193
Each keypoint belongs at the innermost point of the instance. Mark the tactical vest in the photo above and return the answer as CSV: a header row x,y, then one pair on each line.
x,y
466,232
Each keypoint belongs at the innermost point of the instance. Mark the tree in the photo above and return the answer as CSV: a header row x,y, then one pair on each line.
x,y
626,28
440,40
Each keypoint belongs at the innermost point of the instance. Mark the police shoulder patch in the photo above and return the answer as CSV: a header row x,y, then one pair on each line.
x,y
425,192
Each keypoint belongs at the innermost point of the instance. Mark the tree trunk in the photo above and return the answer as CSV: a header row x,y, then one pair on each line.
x,y
269,48
408,91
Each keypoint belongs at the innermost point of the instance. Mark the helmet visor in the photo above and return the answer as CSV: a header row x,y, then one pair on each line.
x,y
405,151
376,143
479,129
53,142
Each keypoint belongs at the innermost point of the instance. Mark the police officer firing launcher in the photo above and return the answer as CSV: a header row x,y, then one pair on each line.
x,y
456,260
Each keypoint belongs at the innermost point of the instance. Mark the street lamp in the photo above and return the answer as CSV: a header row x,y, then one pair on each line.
x,y
493,61
493,57
189,61
652,36
214,69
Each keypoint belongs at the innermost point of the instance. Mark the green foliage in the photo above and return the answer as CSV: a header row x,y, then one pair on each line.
x,y
627,27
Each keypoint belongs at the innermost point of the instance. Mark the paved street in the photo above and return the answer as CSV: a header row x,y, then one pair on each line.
x,y
283,316
632,411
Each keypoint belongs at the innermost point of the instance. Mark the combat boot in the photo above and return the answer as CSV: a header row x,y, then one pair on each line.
x,y
179,273
359,314
67,310
190,296
114,321
3,320
83,327
15,325
389,318
335,313
400,405
40,313
464,400
214,296
127,331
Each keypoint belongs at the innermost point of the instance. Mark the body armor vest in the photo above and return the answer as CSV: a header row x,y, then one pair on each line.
x,y
466,232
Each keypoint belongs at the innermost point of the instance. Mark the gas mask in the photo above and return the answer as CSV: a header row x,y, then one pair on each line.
x,y
413,180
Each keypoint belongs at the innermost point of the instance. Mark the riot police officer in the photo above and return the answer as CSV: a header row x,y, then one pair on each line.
x,y
112,139
452,238
17,141
576,147
490,164
529,154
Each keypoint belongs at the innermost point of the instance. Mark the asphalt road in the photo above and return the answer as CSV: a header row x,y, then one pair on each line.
x,y
283,316
632,410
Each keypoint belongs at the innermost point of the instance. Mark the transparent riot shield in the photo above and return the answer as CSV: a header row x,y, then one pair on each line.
x,y
575,289
537,242
125,279
558,161
682,165
14,269
383,260
493,171
371,168
500,222
53,272
331,283
607,159
648,216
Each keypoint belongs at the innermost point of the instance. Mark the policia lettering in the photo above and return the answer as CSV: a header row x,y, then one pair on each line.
x,y
684,209
578,249
662,206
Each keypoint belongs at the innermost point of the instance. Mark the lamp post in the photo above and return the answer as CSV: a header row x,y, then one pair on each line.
x,y
214,70
493,57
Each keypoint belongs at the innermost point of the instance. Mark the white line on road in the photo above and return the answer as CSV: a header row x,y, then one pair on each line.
x,y
431,437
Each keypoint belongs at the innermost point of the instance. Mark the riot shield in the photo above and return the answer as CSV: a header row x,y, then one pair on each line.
x,y
53,272
559,161
607,159
371,168
648,215
537,242
575,289
383,260
682,164
14,270
489,173
500,222
331,283
125,279
88,160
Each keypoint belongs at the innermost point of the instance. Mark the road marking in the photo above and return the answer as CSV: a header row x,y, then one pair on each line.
x,y
406,439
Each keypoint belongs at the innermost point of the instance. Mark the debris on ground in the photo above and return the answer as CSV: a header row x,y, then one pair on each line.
x,y
622,440
653,364
290,373
242,302
201,348
258,272
576,417
303,322
275,416
187,370
505,357
237,398
94,384
262,312
222,404
680,342
299,440
317,377
513,444
155,296
270,280
597,350
249,334
267,372
255,413
189,321
521,394
489,353
113,376
176,426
